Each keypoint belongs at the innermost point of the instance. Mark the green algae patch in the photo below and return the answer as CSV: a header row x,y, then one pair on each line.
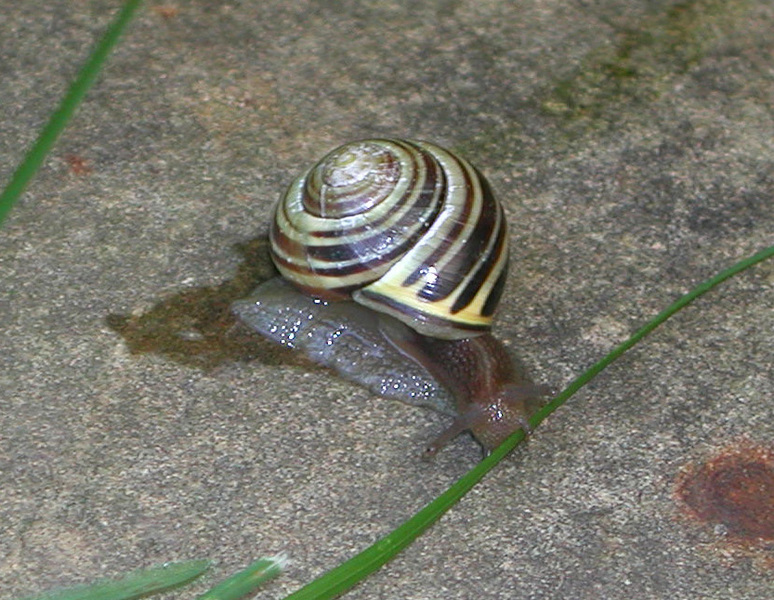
x,y
642,61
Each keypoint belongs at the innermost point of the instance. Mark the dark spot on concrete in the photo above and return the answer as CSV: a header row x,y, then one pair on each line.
x,y
77,164
734,489
195,327
166,12
741,211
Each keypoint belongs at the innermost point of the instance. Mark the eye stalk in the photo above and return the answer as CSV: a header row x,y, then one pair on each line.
x,y
492,422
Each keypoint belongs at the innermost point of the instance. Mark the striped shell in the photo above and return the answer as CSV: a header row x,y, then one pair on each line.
x,y
404,227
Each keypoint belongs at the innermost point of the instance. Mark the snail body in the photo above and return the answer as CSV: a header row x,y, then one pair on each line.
x,y
393,256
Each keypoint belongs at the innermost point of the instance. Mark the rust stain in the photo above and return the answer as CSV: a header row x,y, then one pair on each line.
x,y
734,489
195,327
77,164
166,12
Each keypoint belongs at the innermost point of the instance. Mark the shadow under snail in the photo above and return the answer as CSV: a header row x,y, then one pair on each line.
x,y
393,255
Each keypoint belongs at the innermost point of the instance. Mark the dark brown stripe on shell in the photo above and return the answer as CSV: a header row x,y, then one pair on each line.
x,y
482,272
494,294
424,318
469,254
442,245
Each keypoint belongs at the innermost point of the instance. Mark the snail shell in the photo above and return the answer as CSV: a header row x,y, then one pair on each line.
x,y
405,228
393,256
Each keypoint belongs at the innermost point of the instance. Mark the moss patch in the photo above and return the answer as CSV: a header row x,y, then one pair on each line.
x,y
616,78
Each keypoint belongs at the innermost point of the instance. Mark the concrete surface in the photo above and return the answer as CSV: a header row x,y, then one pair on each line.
x,y
632,143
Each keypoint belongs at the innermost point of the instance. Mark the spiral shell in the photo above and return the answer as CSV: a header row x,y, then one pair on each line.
x,y
404,227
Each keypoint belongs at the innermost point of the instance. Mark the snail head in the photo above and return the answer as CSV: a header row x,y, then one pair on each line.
x,y
493,421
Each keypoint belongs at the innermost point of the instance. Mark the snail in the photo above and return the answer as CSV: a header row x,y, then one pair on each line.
x,y
393,255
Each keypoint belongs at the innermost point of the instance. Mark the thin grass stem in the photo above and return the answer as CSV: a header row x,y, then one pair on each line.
x,y
134,585
61,116
341,578
248,580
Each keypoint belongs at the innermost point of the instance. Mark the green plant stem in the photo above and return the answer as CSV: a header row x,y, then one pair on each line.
x,y
135,585
61,116
248,580
341,578
638,335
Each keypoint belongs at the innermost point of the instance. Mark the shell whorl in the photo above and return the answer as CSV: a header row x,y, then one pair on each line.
x,y
404,227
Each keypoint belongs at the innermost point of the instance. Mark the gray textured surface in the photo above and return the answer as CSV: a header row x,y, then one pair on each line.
x,y
632,144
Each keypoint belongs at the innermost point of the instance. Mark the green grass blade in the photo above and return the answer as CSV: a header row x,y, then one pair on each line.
x,y
134,585
338,580
244,582
638,335
59,119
